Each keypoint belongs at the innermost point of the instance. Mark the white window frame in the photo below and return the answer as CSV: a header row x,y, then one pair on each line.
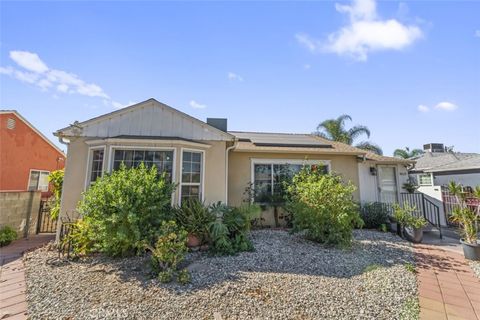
x,y
38,186
90,163
423,184
111,155
272,162
202,175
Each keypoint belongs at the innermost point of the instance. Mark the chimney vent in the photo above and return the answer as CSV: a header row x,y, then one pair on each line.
x,y
219,123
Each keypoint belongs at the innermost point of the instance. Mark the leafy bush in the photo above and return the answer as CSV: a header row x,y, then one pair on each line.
x,y
124,209
406,218
374,215
7,235
56,180
229,231
79,238
169,252
195,217
323,207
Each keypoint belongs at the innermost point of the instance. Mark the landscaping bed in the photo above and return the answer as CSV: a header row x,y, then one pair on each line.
x,y
286,277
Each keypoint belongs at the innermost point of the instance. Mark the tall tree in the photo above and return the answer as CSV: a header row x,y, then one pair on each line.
x,y
406,153
334,129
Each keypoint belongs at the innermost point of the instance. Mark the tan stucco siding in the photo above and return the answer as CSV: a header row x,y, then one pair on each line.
x,y
239,173
215,179
75,174
78,162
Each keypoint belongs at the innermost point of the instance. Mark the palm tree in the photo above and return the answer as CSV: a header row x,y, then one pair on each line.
x,y
406,153
334,129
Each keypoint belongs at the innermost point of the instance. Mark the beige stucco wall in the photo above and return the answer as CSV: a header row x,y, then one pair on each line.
x,y
239,173
78,161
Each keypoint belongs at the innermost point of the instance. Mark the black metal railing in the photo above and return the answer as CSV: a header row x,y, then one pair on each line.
x,y
423,208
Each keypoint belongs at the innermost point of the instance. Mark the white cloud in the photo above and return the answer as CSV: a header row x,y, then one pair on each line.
x,y
234,77
62,88
196,105
446,106
477,33
307,66
365,33
28,60
36,72
423,108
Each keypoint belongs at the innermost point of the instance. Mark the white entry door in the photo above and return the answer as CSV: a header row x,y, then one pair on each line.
x,y
387,184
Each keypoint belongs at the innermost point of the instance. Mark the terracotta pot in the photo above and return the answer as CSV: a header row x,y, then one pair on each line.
x,y
193,240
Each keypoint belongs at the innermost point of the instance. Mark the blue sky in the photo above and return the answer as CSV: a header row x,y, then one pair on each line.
x,y
410,71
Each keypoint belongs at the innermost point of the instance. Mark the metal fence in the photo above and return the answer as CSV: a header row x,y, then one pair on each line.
x,y
45,223
450,201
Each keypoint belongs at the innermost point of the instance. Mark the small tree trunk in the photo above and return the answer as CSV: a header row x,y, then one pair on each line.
x,y
275,215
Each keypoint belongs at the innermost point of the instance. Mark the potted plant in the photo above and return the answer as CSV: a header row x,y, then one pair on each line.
x,y
467,219
410,186
195,217
411,226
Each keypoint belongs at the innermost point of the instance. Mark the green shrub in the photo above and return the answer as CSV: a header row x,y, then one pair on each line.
x,y
323,207
124,209
374,214
56,181
406,218
169,251
79,238
7,235
229,231
183,276
195,217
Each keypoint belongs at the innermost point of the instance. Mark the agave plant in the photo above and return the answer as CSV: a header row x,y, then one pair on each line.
x,y
466,217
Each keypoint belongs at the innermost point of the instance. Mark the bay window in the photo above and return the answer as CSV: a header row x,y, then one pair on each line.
x,y
191,179
96,164
162,159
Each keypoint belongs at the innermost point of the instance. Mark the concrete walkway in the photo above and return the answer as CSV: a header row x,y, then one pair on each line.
x,y
13,303
448,288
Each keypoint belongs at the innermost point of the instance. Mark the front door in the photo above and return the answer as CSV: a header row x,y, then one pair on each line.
x,y
387,184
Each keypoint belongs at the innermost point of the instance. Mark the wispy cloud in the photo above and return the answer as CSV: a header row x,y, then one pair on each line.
x,y
307,66
365,33
477,33
234,77
423,108
441,106
196,105
33,70
446,106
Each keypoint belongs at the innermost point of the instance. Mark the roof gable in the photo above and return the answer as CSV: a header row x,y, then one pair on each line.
x,y
147,118
28,124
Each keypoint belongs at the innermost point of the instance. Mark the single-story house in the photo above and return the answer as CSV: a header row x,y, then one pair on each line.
x,y
209,162
438,166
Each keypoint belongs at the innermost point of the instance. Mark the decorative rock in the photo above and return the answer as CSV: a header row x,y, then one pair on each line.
x,y
286,277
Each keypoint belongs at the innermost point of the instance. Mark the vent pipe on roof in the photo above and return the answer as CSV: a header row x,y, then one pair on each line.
x,y
219,123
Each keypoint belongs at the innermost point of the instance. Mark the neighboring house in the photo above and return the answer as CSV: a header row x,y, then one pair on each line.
x,y
207,161
437,167
26,155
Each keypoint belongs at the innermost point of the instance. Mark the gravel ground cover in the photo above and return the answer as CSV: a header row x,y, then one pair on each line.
x,y
286,277
475,267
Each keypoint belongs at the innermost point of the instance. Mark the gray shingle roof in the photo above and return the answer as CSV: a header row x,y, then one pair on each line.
x,y
446,161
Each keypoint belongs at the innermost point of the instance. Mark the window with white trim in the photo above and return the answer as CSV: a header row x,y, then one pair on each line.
x,y
162,159
96,169
425,179
191,180
38,180
268,178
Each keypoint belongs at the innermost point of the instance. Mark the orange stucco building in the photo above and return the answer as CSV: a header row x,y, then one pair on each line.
x,y
26,155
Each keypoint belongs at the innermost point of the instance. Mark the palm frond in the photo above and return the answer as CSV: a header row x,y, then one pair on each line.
x,y
369,146
357,131
401,153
